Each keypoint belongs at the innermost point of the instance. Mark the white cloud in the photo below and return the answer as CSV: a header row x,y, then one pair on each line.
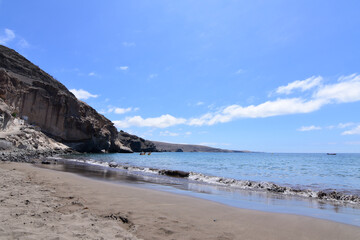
x,y
82,94
122,68
309,128
167,133
128,44
199,103
353,131
122,110
267,109
8,37
92,74
347,90
158,122
302,85
118,110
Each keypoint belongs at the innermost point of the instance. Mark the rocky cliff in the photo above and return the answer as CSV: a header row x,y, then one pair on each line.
x,y
42,101
136,143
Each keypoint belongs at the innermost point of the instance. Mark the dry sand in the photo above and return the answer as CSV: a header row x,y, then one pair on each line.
x,y
38,203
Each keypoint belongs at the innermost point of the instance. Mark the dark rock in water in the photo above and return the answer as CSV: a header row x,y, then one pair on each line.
x,y
45,162
179,150
174,173
136,143
276,188
113,164
44,102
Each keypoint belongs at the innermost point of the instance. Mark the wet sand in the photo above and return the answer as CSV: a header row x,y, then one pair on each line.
x,y
37,203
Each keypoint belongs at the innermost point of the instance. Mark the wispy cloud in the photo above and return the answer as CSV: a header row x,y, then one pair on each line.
x,y
8,37
332,127
23,43
167,133
82,94
92,74
118,110
345,125
301,85
128,44
353,143
199,103
153,75
309,128
354,131
240,71
158,122
122,68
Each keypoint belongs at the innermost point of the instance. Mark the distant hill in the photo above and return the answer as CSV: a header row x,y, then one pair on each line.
x,y
175,147
135,143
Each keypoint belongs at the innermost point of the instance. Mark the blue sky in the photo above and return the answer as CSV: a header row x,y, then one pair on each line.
x,y
275,76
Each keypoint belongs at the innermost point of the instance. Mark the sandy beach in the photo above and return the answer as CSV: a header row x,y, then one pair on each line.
x,y
37,203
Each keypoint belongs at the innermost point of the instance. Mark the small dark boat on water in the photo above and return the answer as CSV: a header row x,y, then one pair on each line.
x,y
331,153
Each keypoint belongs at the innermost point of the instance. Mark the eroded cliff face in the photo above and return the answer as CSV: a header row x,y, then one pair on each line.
x,y
44,102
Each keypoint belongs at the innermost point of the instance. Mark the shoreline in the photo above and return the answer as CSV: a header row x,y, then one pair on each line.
x,y
328,196
103,209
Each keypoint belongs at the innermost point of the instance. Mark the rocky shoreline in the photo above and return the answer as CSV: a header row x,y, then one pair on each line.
x,y
31,156
330,196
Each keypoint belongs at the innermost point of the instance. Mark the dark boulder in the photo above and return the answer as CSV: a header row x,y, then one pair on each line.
x,y
174,173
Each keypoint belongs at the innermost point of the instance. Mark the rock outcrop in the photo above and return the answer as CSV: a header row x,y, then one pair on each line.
x,y
22,142
136,143
44,102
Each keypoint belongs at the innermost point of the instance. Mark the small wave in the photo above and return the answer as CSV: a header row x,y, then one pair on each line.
x,y
330,195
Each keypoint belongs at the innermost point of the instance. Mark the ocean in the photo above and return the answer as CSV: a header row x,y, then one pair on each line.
x,y
312,184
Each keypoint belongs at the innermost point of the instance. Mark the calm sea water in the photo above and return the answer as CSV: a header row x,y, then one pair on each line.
x,y
318,171
224,177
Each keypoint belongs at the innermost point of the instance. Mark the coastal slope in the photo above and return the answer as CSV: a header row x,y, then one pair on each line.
x,y
176,147
44,102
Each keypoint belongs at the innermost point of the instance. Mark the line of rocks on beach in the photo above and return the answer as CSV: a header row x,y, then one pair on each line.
x,y
38,156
